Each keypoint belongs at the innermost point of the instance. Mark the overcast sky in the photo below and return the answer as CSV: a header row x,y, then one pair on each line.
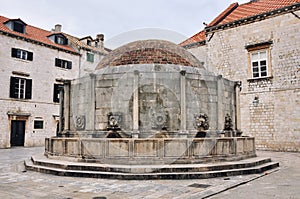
x,y
118,18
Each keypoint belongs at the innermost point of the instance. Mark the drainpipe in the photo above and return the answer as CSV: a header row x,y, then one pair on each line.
x,y
79,64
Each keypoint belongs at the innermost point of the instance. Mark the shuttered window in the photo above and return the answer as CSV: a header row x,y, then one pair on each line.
x,y
20,88
21,54
56,92
63,63
90,57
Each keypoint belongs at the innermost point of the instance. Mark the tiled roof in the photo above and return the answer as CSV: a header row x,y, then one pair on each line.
x,y
237,12
33,34
255,8
200,36
82,44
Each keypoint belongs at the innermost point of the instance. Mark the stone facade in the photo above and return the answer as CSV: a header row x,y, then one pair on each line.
x,y
43,73
270,107
28,121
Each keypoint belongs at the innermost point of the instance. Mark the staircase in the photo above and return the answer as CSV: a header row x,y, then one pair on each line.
x,y
146,172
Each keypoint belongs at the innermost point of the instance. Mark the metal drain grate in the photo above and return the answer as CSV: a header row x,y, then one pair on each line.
x,y
196,185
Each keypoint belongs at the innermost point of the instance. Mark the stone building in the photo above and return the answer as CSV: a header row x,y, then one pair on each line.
x,y
258,44
34,63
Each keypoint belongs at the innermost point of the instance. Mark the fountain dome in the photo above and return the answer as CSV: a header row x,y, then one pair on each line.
x,y
149,52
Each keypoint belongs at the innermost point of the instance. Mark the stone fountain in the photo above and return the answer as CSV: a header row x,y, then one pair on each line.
x,y
150,110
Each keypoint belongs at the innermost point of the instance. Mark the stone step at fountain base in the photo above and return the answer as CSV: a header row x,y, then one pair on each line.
x,y
147,172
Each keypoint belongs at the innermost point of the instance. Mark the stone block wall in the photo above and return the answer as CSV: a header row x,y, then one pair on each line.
x,y
150,151
275,121
160,91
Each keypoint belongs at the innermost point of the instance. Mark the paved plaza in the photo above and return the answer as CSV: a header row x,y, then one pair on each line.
x,y
15,182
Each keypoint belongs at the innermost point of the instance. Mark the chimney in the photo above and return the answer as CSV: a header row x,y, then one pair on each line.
x,y
100,39
57,28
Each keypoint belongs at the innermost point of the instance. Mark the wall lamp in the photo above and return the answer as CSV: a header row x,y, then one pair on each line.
x,y
255,101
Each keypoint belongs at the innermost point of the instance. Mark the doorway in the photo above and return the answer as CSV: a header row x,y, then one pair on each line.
x,y
17,134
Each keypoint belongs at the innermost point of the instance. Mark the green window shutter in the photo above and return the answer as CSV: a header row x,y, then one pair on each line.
x,y
90,57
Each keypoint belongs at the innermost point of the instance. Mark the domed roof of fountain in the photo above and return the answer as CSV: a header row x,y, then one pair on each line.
x,y
149,52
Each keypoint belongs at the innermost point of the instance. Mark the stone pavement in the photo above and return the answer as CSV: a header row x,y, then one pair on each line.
x,y
15,182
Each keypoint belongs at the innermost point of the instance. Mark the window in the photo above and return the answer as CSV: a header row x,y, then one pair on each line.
x,y
60,40
16,25
259,60
88,42
259,63
56,92
63,63
19,27
21,54
90,57
38,124
20,88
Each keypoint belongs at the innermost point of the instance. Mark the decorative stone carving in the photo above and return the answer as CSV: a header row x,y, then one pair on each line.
x,y
159,118
80,122
114,121
201,122
228,123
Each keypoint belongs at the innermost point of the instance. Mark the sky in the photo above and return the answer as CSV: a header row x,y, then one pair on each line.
x,y
121,21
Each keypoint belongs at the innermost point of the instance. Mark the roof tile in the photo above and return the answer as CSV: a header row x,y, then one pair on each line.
x,y
33,33
236,12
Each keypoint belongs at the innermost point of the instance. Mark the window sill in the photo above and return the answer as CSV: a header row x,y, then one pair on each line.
x,y
260,78
22,60
19,99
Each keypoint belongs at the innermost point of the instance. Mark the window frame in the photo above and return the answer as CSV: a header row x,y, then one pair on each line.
x,y
262,64
259,49
38,127
20,88
90,57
